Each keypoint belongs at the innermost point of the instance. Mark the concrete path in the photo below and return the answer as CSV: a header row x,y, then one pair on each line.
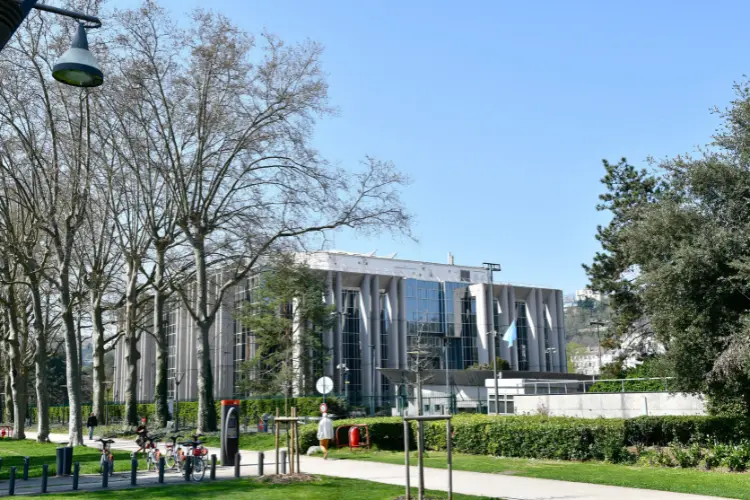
x,y
470,483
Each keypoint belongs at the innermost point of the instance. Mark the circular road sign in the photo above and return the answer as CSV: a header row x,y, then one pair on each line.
x,y
323,408
324,385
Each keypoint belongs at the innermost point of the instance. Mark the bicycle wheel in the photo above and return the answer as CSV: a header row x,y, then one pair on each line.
x,y
199,469
111,466
170,461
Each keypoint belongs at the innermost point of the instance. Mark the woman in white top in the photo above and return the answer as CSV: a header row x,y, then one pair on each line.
x,y
325,433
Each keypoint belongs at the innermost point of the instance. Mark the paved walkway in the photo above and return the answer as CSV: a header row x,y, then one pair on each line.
x,y
470,483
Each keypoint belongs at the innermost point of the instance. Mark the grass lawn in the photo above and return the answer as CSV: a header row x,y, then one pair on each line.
x,y
261,441
326,488
12,453
720,484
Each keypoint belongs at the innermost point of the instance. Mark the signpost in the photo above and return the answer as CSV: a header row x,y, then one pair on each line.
x,y
324,385
324,408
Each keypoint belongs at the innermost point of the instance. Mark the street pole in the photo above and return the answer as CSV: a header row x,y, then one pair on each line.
x,y
447,383
490,269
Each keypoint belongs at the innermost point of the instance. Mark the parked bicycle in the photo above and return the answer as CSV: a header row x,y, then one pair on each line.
x,y
173,454
195,458
152,452
107,456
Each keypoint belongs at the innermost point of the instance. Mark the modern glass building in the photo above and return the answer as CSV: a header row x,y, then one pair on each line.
x,y
387,312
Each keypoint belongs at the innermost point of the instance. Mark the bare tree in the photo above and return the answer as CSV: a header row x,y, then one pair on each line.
x,y
231,139
51,125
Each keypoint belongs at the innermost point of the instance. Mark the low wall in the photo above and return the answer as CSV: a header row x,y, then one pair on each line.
x,y
610,405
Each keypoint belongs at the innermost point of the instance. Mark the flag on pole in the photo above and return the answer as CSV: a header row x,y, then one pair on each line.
x,y
510,334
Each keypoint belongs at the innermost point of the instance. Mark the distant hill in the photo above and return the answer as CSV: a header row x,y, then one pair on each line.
x,y
579,315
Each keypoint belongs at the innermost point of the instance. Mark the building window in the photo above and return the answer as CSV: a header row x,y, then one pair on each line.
x,y
465,276
522,336
244,340
548,356
438,313
352,353
505,403
385,326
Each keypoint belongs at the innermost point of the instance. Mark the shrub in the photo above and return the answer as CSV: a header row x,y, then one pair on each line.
x,y
687,457
739,457
662,430
386,433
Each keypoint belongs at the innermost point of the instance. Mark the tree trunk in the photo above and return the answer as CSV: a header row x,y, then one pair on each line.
x,y
131,345
162,346
40,363
72,372
206,408
99,373
17,384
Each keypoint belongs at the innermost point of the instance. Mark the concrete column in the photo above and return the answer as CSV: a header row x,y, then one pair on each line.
x,y
561,340
328,335
375,335
394,341
365,310
532,347
550,312
337,330
480,293
540,330
402,329
511,318
504,323
491,323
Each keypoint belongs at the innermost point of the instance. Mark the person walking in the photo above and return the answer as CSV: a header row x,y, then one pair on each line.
x,y
91,423
325,433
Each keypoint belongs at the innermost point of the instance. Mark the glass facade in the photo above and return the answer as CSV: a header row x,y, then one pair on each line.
x,y
522,332
350,333
385,328
244,345
442,312
548,357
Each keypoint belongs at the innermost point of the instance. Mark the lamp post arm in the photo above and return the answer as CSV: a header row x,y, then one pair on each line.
x,y
94,21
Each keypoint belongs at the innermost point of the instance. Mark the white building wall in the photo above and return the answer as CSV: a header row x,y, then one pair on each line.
x,y
616,405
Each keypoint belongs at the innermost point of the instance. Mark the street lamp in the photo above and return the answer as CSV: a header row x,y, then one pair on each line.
x,y
343,370
491,267
77,66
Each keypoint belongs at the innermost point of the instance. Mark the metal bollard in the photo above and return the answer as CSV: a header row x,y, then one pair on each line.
x,y
26,462
45,471
283,461
161,469
105,473
133,471
188,468
12,482
237,458
213,467
76,472
261,457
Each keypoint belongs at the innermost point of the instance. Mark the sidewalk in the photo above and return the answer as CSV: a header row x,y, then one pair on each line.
x,y
469,483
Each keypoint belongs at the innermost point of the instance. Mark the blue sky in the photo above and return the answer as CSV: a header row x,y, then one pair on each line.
x,y
502,111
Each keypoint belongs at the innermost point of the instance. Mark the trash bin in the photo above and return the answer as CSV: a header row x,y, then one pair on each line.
x,y
230,430
64,460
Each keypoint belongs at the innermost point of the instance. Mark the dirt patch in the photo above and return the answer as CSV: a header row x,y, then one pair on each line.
x,y
507,472
287,479
413,497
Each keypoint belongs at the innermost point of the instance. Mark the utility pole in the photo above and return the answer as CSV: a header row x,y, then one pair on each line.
x,y
598,341
491,267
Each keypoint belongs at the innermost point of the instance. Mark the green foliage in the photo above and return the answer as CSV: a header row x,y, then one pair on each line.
x,y
288,290
651,367
386,433
687,457
662,430
676,258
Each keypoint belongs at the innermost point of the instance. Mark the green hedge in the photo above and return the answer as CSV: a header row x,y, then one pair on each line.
x,y
386,433
532,437
663,430
550,438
